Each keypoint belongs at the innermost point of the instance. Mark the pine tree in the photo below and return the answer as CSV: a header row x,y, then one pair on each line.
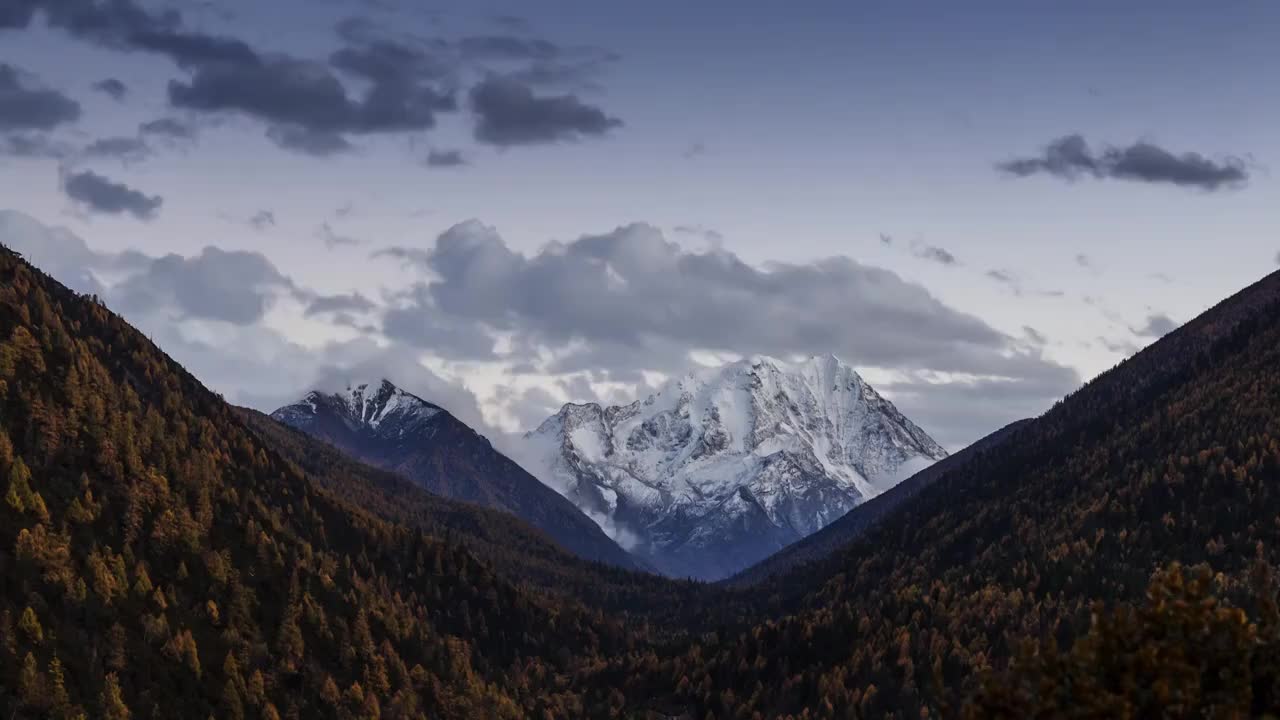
x,y
111,700
29,624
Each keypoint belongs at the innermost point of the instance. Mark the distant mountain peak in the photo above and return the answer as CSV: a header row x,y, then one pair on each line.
x,y
726,464
379,423
366,403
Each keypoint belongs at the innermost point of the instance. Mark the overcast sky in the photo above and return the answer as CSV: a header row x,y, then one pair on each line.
x,y
509,206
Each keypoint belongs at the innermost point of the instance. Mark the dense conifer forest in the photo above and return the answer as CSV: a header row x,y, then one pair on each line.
x,y
166,555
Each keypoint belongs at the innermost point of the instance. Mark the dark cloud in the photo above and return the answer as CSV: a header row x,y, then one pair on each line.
x,y
935,254
308,107
350,302
112,87
1157,325
320,143
1070,158
509,113
26,106
262,220
227,75
125,149
445,158
128,25
407,256
333,239
382,60
103,195
27,145
236,287
168,127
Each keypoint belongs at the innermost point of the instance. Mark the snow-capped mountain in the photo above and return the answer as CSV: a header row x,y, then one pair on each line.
x,y
725,466
377,408
382,425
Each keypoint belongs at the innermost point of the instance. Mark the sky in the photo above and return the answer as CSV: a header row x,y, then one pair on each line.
x,y
508,206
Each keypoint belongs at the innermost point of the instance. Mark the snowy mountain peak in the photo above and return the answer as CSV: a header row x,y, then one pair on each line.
x,y
726,464
364,404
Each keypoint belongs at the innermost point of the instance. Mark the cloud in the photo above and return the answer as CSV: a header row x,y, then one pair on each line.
x,y
103,195
232,286
1069,157
407,256
168,127
956,412
320,143
508,113
709,234
386,61
127,25
445,158
28,145
25,106
886,239
308,108
413,322
935,254
1006,278
262,220
333,240
303,97
218,295
1034,335
630,301
350,302
112,87
124,149
63,254
1157,325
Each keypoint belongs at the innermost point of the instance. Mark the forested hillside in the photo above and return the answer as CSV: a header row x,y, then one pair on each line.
x,y
1173,456
159,561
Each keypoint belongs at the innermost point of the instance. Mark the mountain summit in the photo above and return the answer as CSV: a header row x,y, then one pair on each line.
x,y
724,466
385,426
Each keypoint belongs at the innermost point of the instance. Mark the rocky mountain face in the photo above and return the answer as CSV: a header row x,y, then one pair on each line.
x,y
382,425
726,466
